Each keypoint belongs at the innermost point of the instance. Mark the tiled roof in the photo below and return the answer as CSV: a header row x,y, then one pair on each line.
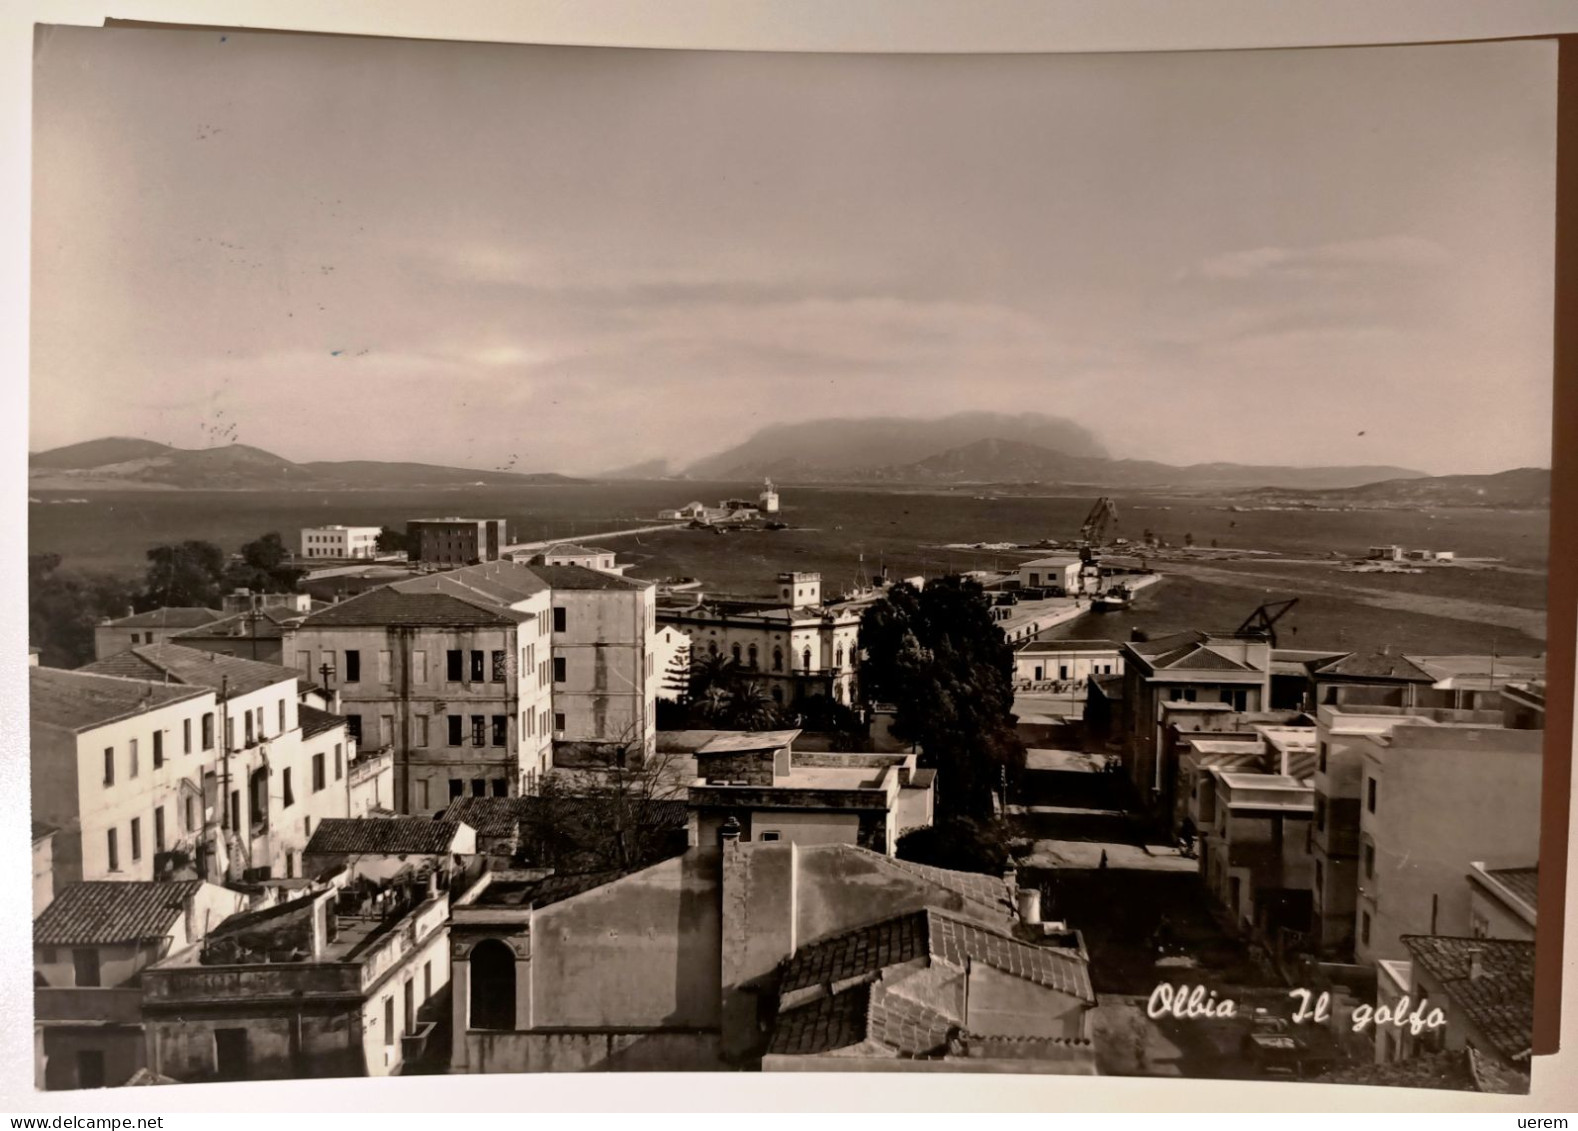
x,y
392,606
1522,882
314,721
579,577
490,816
829,1023
907,1026
103,912
496,583
265,624
988,896
1196,657
378,836
1375,665
79,700
1037,645
194,667
1164,644
571,549
1500,1002
938,936
745,741
1443,1071
182,616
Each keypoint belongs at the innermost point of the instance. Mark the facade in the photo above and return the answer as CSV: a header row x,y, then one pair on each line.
x,y
1224,673
340,542
794,644
1483,986
1066,661
769,792
678,965
381,849
43,865
1254,853
1417,797
253,634
90,948
340,981
450,543
1502,902
671,661
1060,573
232,793
450,673
153,627
589,557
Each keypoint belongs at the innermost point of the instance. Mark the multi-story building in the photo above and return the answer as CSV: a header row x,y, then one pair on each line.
x,y
568,553
152,627
340,981
255,634
795,644
671,661
452,542
1226,673
43,865
232,790
1065,661
90,948
451,678
1405,801
340,542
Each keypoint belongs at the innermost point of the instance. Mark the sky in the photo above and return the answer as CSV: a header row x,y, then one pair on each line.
x,y
567,259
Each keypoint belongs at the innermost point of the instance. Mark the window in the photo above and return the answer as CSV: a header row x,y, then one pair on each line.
x,y
306,826
560,618
456,663
86,964
136,838
501,730
289,794
427,980
282,716
353,665
158,749
317,772
768,836
158,829
1369,787
421,730
385,666
456,788
386,729
230,733
389,1030
750,658
186,736
477,671
208,731
189,814
839,657
353,728
1320,879
479,787
113,850
235,810
454,729
339,761
1323,757
251,737
131,758
500,666
479,730
109,765
1320,812
419,666
712,647
1369,861
559,672
290,865
734,651
558,720
1364,928
501,788
805,658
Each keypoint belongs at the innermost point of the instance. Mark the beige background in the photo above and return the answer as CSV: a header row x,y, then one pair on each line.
x,y
804,25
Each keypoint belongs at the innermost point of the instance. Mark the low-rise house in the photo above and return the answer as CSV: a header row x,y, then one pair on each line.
x,y
1060,573
1255,855
1503,902
90,948
1523,705
381,848
1065,661
588,557
338,541
1483,986
254,634
152,627
343,980
677,965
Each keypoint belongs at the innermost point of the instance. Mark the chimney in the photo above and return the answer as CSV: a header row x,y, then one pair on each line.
x,y
729,834
1029,900
1476,965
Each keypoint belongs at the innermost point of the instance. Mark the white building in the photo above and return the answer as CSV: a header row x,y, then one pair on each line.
x,y
768,499
1065,661
232,790
339,542
588,557
671,662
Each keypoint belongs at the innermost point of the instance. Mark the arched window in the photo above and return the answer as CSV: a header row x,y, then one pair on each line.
x,y
839,662
492,985
778,659
751,654
806,659
735,650
778,696
712,647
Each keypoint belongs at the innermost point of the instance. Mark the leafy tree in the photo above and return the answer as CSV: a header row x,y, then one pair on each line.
x,y
726,695
264,567
960,843
187,574
64,607
938,656
392,541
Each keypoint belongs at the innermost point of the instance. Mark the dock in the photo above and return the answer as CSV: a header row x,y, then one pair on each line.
x,y
583,539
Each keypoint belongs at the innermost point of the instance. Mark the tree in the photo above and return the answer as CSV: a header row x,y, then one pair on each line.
x,y
959,843
938,656
64,607
184,575
264,567
392,541
725,695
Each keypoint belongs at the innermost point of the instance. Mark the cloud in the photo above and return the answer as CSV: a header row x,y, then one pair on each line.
x,y
1323,262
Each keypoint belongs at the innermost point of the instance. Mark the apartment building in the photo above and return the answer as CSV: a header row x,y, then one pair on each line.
x,y
339,542
152,627
453,542
231,793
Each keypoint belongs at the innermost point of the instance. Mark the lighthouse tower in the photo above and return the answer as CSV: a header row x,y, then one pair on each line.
x,y
769,499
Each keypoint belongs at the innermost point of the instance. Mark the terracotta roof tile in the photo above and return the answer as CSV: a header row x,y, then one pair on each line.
x,y
79,700
1375,665
103,912
391,606
1500,1002
382,836
1522,882
182,617
825,1025
193,667
314,721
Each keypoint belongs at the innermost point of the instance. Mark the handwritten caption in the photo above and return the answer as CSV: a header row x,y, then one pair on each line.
x,y
1188,1003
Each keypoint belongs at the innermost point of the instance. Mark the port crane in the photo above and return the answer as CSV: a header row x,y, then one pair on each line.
x,y
1263,621
1099,523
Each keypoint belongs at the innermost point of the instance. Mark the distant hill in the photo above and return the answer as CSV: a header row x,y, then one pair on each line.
x,y
1524,488
118,463
648,469
1008,461
830,450
98,453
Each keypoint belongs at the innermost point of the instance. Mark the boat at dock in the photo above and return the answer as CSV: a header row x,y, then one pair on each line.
x,y
1109,600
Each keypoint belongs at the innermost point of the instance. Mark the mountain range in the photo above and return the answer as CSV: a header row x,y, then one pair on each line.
x,y
1523,488
119,462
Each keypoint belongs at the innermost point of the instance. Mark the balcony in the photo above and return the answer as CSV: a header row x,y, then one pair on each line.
x,y
67,1004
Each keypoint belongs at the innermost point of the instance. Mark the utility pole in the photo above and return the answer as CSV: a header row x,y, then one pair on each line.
x,y
224,746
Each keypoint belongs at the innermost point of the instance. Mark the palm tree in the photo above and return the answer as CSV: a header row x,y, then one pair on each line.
x,y
751,708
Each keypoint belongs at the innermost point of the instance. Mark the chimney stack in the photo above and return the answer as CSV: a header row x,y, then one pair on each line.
x,y
1029,900
730,832
1476,965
